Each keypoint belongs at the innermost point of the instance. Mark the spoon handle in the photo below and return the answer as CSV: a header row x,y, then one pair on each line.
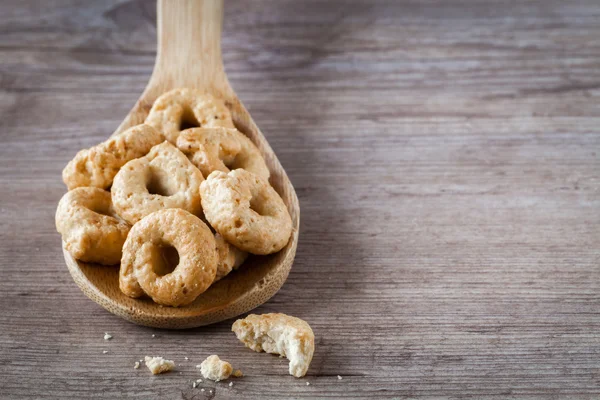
x,y
189,44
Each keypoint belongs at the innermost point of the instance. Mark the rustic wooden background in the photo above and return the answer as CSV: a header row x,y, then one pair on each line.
x,y
446,155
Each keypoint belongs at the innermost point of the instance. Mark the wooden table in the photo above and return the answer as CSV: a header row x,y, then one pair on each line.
x,y
447,158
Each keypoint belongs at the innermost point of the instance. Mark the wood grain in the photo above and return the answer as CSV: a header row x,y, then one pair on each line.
x,y
446,158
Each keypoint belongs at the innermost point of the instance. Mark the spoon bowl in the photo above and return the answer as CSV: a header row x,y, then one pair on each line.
x,y
189,55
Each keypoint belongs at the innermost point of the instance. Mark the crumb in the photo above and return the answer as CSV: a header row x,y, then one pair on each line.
x,y
104,351
210,391
136,365
194,384
158,365
199,366
202,390
307,383
230,384
141,361
153,335
185,358
198,380
339,377
107,336
238,373
215,369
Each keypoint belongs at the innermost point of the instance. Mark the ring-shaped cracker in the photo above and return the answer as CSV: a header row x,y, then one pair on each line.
x,y
179,109
89,226
221,149
143,256
98,165
246,211
230,257
164,178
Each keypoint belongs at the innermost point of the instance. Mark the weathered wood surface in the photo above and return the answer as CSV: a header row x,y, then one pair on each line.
x,y
446,155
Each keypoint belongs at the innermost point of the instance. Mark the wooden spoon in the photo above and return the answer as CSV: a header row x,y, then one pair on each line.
x,y
189,55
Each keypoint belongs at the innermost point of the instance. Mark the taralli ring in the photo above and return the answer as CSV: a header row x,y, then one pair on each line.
x,y
98,165
145,270
230,257
246,211
180,109
89,226
164,178
221,149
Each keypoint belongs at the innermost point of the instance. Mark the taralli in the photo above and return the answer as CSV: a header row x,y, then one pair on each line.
x,y
281,334
215,369
246,211
98,165
179,109
164,178
143,266
230,257
89,226
221,149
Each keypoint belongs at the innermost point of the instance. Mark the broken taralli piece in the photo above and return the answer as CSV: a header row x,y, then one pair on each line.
x,y
215,369
281,334
158,365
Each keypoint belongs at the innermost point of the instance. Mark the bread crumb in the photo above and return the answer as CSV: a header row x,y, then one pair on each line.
x,y
307,383
136,365
107,336
153,335
185,358
210,391
339,378
238,373
202,390
230,384
194,384
104,351
215,369
199,366
198,380
158,365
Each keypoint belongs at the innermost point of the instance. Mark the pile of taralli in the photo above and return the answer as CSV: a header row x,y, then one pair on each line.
x,y
158,195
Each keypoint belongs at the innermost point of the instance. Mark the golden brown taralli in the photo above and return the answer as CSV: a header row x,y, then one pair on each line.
x,y
98,165
178,108
89,226
221,149
164,178
246,211
143,266
230,257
